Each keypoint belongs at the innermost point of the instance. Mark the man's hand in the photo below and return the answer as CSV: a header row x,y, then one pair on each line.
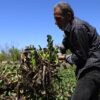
x,y
67,58
61,57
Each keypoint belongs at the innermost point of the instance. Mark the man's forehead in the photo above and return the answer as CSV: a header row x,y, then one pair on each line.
x,y
57,11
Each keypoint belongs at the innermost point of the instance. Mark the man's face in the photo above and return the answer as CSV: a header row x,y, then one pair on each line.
x,y
61,21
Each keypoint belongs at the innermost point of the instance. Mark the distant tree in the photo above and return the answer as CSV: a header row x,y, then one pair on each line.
x,y
14,53
2,56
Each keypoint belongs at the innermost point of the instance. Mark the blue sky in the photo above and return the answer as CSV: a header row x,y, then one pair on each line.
x,y
24,22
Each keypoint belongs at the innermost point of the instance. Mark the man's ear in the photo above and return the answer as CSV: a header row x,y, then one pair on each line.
x,y
69,16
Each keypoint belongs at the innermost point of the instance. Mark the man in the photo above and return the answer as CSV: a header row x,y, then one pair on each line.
x,y
84,42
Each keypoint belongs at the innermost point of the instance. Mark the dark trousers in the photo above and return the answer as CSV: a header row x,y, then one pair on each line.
x,y
88,86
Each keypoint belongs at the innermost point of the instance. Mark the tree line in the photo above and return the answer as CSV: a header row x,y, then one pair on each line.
x,y
10,54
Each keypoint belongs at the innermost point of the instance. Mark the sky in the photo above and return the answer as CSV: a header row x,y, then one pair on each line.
x,y
25,22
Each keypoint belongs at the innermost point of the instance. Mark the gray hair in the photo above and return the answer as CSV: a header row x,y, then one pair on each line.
x,y
65,7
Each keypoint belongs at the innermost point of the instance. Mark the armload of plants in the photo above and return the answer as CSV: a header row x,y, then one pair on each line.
x,y
39,76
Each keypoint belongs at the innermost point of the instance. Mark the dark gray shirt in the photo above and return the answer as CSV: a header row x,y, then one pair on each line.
x,y
84,42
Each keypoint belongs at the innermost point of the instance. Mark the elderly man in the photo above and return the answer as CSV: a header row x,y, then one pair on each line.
x,y
84,42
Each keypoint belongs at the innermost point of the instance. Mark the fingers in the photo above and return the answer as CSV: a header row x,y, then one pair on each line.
x,y
61,57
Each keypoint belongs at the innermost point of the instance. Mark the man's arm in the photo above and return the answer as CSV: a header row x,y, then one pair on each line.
x,y
65,45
